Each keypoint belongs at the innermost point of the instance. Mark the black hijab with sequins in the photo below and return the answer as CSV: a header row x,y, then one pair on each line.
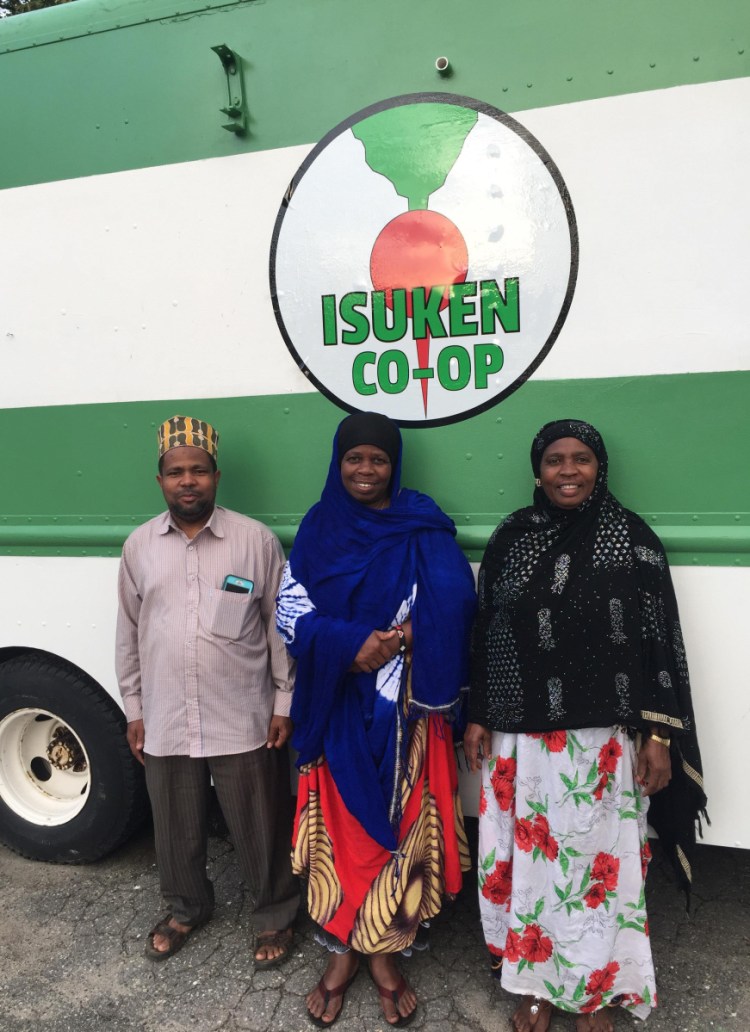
x,y
577,626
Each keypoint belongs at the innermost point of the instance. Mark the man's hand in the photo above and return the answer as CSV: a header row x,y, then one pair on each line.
x,y
477,745
654,770
279,732
136,738
380,647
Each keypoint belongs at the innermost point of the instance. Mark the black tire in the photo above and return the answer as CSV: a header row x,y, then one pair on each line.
x,y
70,789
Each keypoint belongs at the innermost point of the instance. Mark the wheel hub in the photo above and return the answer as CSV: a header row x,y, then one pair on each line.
x,y
64,751
44,768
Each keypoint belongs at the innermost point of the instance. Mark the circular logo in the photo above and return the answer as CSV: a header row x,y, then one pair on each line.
x,y
424,259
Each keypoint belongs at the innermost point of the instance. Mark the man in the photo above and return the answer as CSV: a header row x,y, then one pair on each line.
x,y
206,685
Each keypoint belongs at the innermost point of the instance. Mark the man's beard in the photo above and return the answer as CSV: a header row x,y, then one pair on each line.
x,y
193,513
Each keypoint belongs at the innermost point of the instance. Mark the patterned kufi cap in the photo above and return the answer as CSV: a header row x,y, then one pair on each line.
x,y
186,432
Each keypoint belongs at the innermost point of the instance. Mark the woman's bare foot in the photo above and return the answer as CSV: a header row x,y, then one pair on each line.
x,y
342,967
527,1018
397,998
599,1021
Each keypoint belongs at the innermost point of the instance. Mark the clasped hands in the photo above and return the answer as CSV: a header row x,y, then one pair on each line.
x,y
379,649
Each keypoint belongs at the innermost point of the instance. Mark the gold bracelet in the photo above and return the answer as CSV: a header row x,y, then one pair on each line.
x,y
662,741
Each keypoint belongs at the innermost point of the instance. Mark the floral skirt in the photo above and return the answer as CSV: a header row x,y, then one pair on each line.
x,y
563,853
360,893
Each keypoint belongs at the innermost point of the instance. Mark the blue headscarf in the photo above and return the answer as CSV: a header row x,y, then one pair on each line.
x,y
359,568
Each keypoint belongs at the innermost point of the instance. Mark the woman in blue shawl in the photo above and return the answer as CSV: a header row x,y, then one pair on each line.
x,y
376,606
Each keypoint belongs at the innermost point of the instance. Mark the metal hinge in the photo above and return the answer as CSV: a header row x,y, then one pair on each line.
x,y
235,109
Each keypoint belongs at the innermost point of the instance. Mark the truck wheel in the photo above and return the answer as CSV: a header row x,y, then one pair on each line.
x,y
70,789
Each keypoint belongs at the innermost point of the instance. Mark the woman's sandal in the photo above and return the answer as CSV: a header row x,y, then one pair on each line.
x,y
537,1005
328,995
394,995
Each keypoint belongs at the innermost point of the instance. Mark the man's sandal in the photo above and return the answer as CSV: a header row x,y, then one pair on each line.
x,y
281,939
176,939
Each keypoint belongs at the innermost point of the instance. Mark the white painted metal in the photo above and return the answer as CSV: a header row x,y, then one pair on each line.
x,y
711,603
649,196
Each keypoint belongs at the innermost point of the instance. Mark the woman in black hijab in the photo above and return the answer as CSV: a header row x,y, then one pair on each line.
x,y
581,723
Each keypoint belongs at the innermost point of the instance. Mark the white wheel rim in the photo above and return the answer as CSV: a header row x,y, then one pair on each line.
x,y
45,773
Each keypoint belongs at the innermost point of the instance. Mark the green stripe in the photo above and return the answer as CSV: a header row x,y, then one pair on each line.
x,y
710,545
76,478
149,93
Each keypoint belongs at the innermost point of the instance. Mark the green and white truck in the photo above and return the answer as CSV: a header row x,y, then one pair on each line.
x,y
475,217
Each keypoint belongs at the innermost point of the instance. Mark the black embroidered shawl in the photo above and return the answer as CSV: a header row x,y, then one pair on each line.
x,y
578,626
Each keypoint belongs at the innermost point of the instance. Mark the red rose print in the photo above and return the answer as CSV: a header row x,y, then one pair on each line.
x,y
541,837
524,834
609,754
541,824
595,896
498,884
503,777
599,790
505,768
551,851
645,857
494,950
513,947
591,1005
503,790
535,947
482,801
606,868
554,740
645,930
602,980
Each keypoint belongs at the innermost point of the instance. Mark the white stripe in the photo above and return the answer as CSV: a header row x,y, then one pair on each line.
x,y
659,186
153,283
713,607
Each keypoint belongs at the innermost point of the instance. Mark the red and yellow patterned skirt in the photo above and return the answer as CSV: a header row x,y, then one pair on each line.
x,y
359,892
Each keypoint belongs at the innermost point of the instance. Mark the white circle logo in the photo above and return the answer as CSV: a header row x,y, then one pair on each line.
x,y
424,259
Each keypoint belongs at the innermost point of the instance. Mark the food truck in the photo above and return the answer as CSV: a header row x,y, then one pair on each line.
x,y
266,213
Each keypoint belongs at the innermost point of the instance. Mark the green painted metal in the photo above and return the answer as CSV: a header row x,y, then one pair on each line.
x,y
87,473
714,545
145,87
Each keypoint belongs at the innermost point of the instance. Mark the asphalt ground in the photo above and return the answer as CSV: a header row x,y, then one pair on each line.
x,y
71,956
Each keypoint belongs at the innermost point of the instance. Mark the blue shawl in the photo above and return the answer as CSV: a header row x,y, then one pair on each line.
x,y
352,570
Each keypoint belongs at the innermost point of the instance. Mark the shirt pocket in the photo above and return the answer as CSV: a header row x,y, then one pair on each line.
x,y
226,613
